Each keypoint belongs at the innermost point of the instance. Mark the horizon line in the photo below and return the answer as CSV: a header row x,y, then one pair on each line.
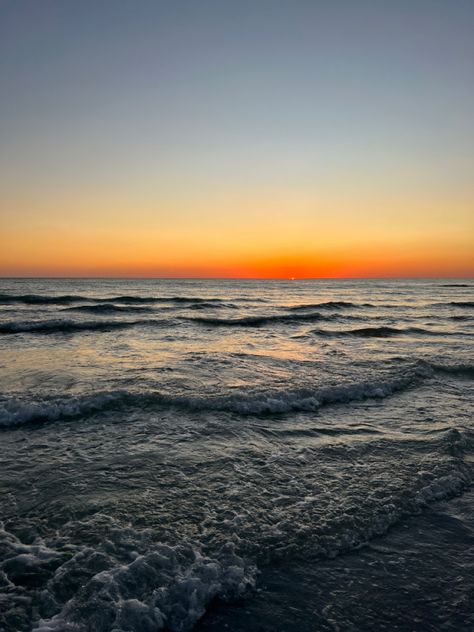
x,y
219,278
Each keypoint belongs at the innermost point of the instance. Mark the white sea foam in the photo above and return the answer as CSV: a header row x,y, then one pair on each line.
x,y
168,587
19,410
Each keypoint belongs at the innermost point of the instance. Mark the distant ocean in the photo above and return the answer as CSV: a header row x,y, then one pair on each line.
x,y
249,456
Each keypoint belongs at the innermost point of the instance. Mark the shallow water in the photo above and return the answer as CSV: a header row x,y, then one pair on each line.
x,y
247,455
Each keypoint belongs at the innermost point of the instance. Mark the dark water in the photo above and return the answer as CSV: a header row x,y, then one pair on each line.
x,y
236,455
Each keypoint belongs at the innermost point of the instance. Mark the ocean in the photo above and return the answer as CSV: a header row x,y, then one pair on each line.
x,y
255,456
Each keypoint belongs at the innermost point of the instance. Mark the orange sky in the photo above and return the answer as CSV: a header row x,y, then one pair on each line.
x,y
256,233
300,236
237,142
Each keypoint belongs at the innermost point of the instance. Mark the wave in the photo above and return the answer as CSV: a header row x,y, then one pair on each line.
x,y
71,326
211,305
108,308
37,299
458,370
128,581
17,410
466,304
350,305
458,317
111,586
455,285
257,321
328,304
380,332
189,299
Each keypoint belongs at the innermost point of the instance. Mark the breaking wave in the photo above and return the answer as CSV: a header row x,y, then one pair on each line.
x,y
17,411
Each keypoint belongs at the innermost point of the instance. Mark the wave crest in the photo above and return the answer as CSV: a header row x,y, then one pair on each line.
x,y
328,304
464,304
16,411
379,332
71,326
41,299
258,321
109,308
19,410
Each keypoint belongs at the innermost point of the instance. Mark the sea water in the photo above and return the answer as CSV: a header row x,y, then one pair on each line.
x,y
241,455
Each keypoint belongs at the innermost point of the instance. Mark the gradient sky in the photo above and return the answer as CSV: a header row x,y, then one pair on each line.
x,y
235,138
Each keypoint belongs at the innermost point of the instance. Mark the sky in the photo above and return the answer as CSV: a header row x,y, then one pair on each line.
x,y
236,138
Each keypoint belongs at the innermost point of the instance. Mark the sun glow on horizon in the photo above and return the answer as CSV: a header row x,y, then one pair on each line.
x,y
300,142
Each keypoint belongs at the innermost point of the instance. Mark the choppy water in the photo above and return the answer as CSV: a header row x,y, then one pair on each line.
x,y
242,455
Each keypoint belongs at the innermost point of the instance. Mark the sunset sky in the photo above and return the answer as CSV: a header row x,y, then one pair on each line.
x,y
261,138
